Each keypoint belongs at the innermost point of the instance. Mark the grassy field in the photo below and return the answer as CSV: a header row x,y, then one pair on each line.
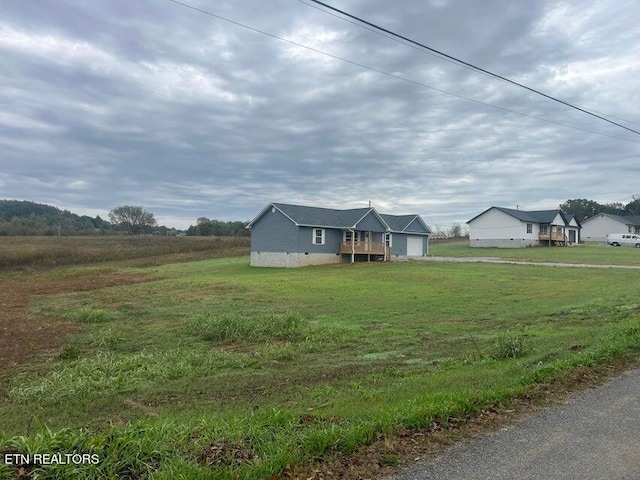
x,y
213,369
52,251
587,253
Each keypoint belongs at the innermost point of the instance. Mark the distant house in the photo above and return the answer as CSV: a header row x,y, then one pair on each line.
x,y
284,235
597,227
508,228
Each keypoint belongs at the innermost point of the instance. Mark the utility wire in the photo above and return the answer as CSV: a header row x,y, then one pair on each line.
x,y
467,64
439,57
392,75
421,50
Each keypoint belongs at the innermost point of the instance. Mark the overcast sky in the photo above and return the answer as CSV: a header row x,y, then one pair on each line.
x,y
146,102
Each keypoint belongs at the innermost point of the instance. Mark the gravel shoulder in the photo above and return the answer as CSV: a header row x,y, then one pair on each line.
x,y
593,436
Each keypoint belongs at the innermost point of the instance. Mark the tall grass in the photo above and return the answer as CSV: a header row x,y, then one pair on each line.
x,y
53,251
236,327
112,372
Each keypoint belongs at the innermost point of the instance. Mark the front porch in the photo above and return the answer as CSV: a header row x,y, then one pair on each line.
x,y
370,249
555,237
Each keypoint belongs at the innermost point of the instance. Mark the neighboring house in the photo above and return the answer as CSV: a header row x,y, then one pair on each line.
x,y
509,228
285,235
596,228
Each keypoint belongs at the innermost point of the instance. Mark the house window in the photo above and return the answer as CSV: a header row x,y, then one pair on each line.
x,y
529,228
348,235
318,236
544,229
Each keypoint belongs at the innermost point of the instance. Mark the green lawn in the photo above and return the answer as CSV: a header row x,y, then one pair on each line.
x,y
218,370
587,253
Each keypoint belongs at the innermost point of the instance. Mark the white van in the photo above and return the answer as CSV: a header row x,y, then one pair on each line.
x,y
619,239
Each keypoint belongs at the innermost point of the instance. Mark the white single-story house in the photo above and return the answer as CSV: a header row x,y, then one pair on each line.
x,y
596,228
508,228
284,235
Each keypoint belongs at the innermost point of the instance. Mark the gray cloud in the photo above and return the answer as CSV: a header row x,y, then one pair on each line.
x,y
147,102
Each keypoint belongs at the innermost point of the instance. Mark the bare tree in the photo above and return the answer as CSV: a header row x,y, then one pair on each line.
x,y
455,230
437,232
135,220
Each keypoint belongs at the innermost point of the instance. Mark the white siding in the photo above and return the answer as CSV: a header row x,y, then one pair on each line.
x,y
596,228
498,229
558,220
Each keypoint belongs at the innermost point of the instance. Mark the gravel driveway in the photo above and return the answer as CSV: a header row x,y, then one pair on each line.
x,y
594,436
519,262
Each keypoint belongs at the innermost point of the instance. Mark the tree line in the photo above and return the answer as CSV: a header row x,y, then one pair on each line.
x,y
21,217
28,218
206,227
584,208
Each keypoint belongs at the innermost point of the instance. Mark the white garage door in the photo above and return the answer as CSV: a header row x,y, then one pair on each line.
x,y
414,246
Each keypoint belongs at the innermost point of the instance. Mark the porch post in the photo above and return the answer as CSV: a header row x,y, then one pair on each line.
x,y
353,246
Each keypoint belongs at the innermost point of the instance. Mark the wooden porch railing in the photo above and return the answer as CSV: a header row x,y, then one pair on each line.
x,y
553,236
369,248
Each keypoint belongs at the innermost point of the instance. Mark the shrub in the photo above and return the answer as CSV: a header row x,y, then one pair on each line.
x,y
508,345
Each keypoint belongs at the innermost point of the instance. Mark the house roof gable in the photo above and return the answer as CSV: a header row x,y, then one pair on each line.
x,y
401,223
371,213
573,218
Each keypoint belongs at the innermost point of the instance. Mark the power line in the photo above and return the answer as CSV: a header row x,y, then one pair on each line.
x,y
467,64
392,75
427,52
421,50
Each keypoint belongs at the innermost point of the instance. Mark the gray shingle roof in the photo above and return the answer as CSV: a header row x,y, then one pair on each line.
x,y
397,223
534,216
626,219
331,217
322,217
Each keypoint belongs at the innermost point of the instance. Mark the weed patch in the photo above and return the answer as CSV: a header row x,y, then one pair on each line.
x,y
509,345
233,327
69,352
290,327
110,372
90,315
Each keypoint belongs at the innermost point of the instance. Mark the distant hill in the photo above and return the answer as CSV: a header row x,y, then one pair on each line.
x,y
20,217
